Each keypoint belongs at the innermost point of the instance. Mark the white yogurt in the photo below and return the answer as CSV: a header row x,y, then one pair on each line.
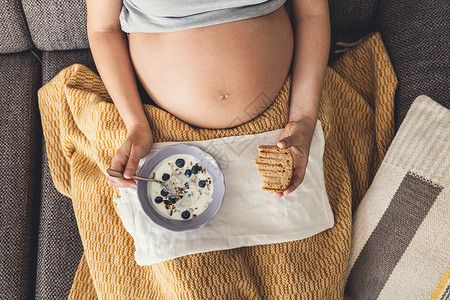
x,y
191,201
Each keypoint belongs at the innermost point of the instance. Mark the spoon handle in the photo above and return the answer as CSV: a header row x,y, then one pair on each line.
x,y
147,179
119,174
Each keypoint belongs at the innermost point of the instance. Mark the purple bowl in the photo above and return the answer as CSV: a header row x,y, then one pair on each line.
x,y
211,166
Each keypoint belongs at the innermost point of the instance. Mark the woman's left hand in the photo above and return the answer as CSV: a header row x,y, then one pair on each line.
x,y
297,136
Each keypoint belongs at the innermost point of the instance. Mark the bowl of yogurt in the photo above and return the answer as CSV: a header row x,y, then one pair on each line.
x,y
193,192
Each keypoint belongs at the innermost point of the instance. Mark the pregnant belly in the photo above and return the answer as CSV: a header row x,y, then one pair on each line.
x,y
217,76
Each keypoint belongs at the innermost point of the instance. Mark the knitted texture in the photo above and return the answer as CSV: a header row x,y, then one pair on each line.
x,y
57,25
417,37
20,145
56,265
59,243
14,36
83,130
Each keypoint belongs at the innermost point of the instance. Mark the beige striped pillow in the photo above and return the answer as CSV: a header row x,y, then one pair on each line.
x,y
401,230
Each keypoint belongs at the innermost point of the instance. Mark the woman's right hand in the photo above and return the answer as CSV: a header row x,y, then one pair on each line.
x,y
136,146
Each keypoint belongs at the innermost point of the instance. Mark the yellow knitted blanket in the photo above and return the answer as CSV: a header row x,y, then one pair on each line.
x,y
83,130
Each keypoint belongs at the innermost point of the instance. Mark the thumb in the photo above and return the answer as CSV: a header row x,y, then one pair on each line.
x,y
286,142
131,165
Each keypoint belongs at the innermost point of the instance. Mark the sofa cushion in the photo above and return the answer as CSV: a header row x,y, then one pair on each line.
x,y
20,142
60,247
400,241
55,61
14,37
346,15
57,25
417,37
350,21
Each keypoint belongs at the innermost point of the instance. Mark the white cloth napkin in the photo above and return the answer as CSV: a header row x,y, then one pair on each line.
x,y
249,216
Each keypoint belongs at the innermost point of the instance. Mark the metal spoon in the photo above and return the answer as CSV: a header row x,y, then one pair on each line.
x,y
119,174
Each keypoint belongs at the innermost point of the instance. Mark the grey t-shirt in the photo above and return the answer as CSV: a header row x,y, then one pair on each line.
x,y
174,15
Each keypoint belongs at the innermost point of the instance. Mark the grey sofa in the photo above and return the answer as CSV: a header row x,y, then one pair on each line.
x,y
39,243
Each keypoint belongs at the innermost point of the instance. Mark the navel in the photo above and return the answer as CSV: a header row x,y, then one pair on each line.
x,y
224,96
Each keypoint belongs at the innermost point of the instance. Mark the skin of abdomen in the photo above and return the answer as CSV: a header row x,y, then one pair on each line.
x,y
217,76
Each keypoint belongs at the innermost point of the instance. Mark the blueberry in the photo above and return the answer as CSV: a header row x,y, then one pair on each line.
x,y
185,214
195,169
158,199
179,162
202,183
172,199
186,186
187,173
164,192
165,177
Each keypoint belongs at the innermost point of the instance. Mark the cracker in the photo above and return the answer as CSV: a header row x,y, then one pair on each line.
x,y
276,166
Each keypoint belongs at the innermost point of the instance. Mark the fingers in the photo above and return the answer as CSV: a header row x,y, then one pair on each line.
x,y
132,163
278,195
121,183
297,179
126,160
297,136
118,163
119,160
286,142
